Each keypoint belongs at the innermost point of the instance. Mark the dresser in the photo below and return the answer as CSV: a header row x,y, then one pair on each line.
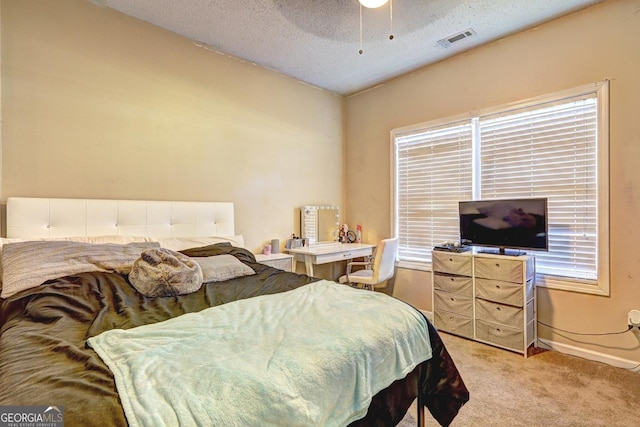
x,y
486,297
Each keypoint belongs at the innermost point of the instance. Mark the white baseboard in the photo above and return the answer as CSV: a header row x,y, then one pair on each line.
x,y
618,362
590,355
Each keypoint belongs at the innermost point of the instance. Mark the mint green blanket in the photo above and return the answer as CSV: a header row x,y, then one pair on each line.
x,y
313,356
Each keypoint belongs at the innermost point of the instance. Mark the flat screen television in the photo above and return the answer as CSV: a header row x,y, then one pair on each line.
x,y
505,224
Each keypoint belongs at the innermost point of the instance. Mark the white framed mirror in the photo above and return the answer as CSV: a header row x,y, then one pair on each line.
x,y
319,223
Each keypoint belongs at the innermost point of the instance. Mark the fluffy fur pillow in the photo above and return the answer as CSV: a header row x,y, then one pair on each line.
x,y
162,272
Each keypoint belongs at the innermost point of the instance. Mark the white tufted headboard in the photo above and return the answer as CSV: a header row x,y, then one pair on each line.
x,y
42,217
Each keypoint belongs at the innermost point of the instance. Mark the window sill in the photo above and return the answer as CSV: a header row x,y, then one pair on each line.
x,y
573,285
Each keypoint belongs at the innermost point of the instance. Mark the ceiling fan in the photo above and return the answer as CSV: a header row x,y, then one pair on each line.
x,y
373,4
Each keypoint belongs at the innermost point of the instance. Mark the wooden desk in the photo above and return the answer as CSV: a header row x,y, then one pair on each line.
x,y
333,252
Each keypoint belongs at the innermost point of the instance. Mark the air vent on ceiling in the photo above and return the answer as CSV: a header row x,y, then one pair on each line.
x,y
448,41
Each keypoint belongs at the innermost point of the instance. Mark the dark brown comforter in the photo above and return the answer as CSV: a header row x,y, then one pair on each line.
x,y
44,360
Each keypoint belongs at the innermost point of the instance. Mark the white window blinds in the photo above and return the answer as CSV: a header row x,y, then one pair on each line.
x,y
555,146
433,173
549,151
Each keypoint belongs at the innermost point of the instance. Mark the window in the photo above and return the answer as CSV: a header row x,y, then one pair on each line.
x,y
554,146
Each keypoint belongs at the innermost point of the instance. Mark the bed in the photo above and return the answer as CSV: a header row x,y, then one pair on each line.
x,y
51,351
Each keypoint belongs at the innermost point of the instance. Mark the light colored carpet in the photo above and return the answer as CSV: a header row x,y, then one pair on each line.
x,y
546,389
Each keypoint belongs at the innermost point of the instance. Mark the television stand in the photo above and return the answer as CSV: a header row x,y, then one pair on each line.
x,y
488,298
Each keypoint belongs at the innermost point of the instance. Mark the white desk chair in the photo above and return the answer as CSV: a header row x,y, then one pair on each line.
x,y
377,271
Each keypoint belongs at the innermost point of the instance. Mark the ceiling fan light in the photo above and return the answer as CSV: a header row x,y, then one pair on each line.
x,y
372,4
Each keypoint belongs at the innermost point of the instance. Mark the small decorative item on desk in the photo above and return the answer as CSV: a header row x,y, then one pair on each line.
x,y
275,246
358,233
266,250
342,236
295,242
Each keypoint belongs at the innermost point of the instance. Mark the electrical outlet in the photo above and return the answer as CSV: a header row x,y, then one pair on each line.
x,y
634,319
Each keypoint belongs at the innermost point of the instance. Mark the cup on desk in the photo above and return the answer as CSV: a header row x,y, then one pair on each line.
x,y
275,246
266,250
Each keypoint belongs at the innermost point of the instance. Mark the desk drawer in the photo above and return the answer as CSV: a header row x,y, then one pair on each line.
x,y
343,256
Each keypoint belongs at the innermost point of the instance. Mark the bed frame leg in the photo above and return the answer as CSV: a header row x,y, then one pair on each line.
x,y
420,414
420,410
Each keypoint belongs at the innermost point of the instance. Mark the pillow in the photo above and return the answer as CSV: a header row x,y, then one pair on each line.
x,y
29,264
121,240
182,243
4,241
162,272
86,239
224,248
219,268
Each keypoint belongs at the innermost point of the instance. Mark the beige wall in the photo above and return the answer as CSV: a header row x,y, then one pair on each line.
x,y
99,105
598,43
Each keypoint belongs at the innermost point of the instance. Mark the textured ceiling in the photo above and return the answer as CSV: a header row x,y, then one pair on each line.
x,y
318,41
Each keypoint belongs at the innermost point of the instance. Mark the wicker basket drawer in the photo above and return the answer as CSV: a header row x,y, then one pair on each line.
x,y
454,303
501,335
499,313
453,323
502,292
452,263
500,269
455,284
